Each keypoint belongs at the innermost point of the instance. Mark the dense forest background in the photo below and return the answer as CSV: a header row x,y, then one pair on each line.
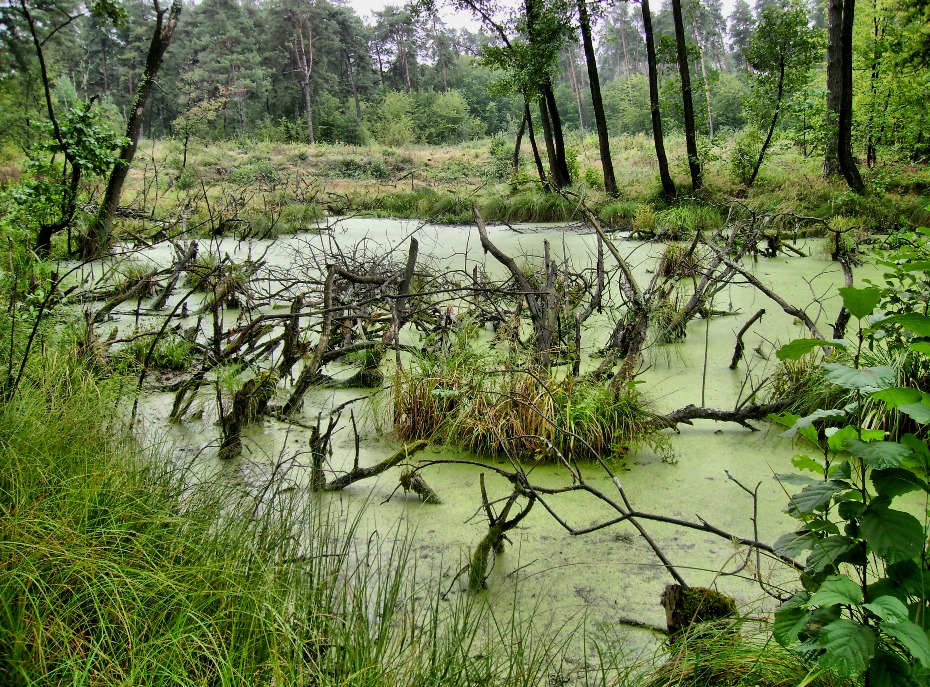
x,y
314,71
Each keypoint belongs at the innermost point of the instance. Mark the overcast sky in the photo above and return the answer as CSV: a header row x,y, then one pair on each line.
x,y
365,8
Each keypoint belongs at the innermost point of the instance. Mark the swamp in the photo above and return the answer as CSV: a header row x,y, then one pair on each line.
x,y
390,353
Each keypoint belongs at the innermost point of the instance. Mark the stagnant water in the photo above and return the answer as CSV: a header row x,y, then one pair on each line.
x,y
610,576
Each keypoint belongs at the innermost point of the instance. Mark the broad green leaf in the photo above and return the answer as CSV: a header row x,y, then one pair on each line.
x,y
913,322
892,534
920,347
790,619
837,589
830,552
893,482
822,525
849,647
867,379
921,453
840,469
805,422
888,608
801,347
836,441
814,497
879,454
890,670
794,543
860,302
851,510
795,479
912,637
898,395
808,463
917,412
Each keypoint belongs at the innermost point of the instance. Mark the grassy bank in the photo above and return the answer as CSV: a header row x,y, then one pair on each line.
x,y
116,570
263,190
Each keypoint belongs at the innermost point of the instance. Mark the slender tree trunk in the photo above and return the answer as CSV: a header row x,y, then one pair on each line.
x,y
626,54
97,239
351,71
515,164
600,118
871,155
668,186
831,165
710,116
106,71
694,162
303,51
845,156
554,177
576,91
768,138
565,178
536,157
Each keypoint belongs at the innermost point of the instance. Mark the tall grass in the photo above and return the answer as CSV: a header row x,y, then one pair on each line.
x,y
116,569
462,399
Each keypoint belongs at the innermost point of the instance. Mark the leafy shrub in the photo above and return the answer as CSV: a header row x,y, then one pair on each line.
x,y
863,608
745,155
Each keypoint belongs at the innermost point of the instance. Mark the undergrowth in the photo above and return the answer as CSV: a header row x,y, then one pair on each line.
x,y
116,569
462,399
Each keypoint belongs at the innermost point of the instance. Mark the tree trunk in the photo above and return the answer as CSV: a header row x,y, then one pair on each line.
x,y
768,138
668,186
565,178
351,71
844,134
600,119
576,90
694,162
710,116
97,239
831,165
515,163
536,157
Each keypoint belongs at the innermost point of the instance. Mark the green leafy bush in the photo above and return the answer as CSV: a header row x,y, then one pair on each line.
x,y
865,603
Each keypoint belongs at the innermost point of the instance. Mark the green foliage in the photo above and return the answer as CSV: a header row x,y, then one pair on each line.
x,y
119,569
864,602
85,147
744,155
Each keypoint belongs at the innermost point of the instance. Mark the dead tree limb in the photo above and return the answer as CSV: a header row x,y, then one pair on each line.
x,y
359,473
740,346
741,416
783,304
183,260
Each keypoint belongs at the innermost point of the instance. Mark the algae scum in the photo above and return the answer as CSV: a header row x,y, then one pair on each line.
x,y
608,577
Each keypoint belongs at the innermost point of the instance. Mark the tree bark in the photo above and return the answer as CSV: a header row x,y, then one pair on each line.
x,y
844,134
831,165
694,162
600,119
358,102
576,89
536,157
768,137
668,186
561,163
97,239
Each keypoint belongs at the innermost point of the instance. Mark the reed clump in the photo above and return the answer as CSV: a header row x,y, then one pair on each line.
x,y
719,655
492,409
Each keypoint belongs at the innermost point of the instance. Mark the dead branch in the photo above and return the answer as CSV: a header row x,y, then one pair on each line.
x,y
741,416
740,347
360,473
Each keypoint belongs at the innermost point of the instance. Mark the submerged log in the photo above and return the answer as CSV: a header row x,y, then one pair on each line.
x,y
685,606
411,480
